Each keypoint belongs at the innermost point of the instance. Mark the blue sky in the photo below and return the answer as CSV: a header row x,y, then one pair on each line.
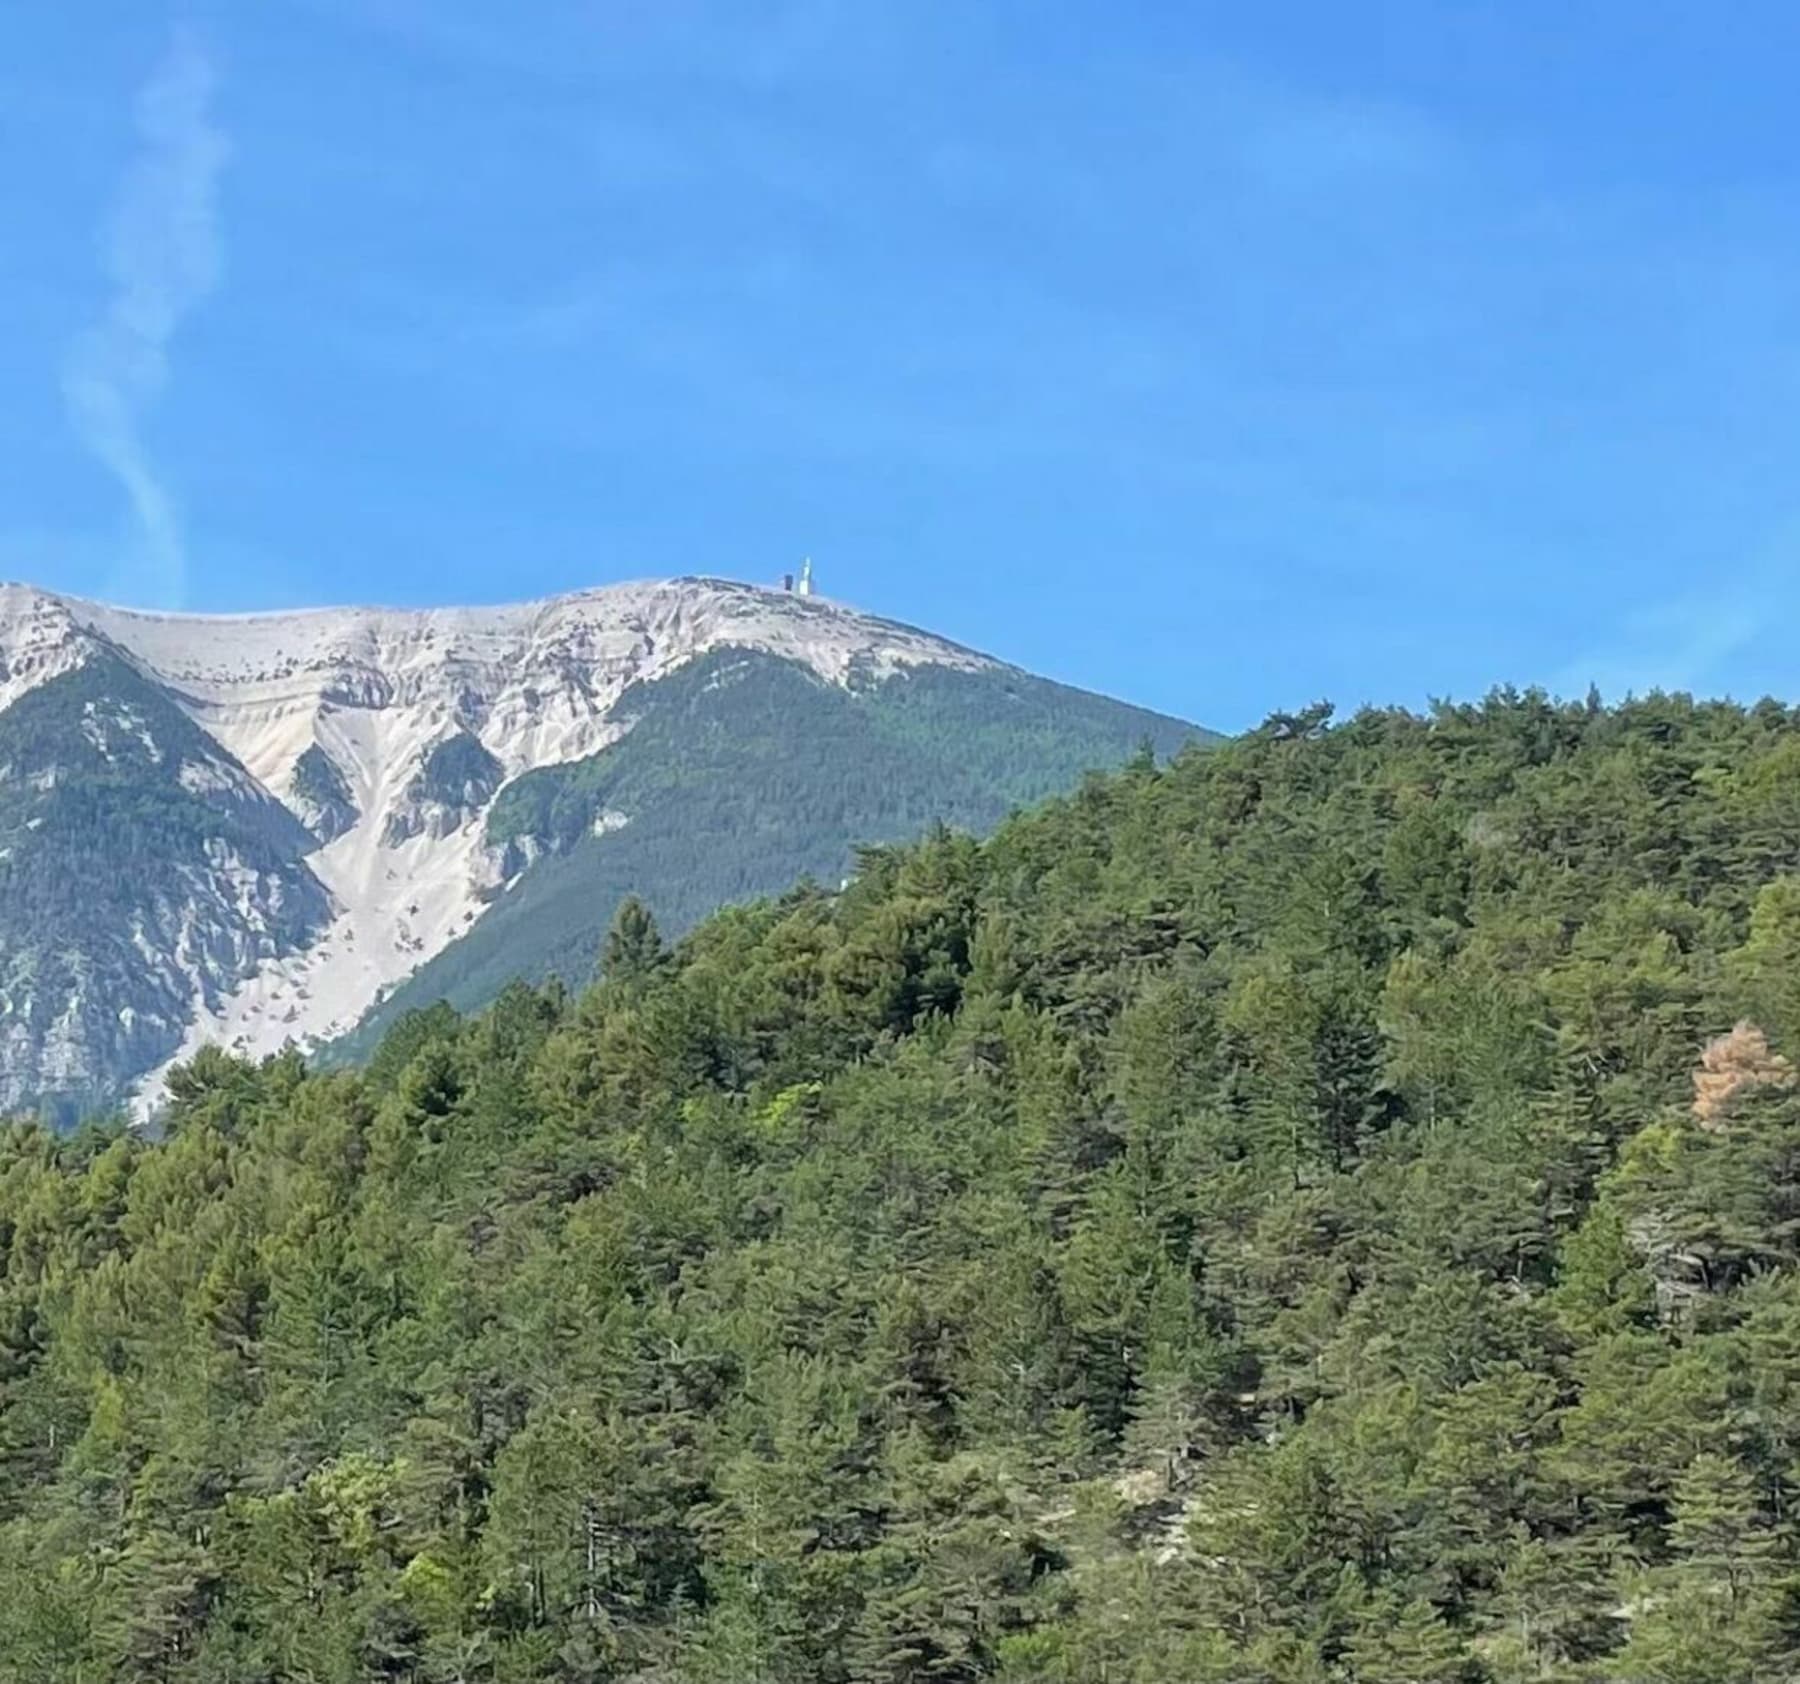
x,y
1219,357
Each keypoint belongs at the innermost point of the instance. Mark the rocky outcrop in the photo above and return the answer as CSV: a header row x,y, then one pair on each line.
x,y
456,780
320,795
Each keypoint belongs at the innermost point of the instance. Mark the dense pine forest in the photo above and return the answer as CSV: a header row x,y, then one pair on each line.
x,y
1323,1209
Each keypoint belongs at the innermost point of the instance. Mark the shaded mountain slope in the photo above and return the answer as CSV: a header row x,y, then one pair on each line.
x,y
140,866
743,773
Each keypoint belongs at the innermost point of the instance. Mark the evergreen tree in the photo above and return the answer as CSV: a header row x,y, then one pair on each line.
x,y
1718,1528
633,944
1407,1644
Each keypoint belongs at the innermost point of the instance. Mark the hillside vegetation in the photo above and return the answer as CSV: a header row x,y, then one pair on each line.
x,y
743,773
1322,1210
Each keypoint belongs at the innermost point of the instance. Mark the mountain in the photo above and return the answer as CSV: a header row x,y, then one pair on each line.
x,y
254,829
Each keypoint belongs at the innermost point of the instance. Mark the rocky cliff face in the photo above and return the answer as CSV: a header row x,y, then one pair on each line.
x,y
455,781
320,794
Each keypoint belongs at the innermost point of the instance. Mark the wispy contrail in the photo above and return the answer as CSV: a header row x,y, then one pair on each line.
x,y
163,258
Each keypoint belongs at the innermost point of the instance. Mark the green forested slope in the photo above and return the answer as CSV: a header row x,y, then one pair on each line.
x,y
744,773
1256,1220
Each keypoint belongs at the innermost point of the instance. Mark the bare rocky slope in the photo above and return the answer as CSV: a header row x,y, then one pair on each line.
x,y
254,829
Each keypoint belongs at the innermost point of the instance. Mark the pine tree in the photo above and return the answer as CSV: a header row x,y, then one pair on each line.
x,y
1405,1644
633,943
155,1605
1718,1527
1553,1603
1691,1635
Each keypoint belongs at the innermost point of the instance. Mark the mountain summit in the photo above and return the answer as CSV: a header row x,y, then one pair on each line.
x,y
255,828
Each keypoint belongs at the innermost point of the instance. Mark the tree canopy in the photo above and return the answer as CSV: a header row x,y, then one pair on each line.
x,y
1323,1209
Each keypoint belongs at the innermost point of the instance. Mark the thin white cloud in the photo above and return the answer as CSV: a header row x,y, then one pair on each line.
x,y
1679,645
1687,642
163,257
